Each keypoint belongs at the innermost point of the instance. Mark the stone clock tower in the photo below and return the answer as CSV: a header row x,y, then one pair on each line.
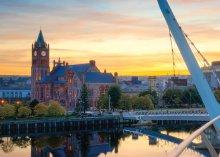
x,y
40,63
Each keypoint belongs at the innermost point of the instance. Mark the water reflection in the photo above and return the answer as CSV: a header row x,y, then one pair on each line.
x,y
104,143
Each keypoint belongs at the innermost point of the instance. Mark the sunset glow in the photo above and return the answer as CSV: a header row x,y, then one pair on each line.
x,y
130,37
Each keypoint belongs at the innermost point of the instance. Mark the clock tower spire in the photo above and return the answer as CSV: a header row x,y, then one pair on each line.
x,y
40,63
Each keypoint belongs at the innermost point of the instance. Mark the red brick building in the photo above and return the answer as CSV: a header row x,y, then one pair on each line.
x,y
65,81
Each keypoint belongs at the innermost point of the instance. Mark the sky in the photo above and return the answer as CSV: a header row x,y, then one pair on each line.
x,y
130,37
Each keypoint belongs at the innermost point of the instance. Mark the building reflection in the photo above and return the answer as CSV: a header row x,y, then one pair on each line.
x,y
80,145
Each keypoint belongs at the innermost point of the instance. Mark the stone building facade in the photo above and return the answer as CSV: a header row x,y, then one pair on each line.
x,y
65,81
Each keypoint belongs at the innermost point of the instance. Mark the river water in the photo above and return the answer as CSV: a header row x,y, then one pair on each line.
x,y
113,142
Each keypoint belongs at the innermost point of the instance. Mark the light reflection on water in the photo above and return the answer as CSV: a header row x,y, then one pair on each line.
x,y
99,144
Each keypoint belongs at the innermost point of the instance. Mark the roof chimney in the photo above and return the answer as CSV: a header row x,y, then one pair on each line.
x,y
92,62
105,71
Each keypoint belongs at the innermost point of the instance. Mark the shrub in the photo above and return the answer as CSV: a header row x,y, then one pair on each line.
x,y
40,110
55,109
110,113
24,111
7,111
74,114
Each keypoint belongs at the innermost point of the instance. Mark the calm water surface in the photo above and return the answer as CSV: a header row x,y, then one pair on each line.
x,y
102,143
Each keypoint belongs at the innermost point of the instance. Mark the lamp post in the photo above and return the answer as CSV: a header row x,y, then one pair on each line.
x,y
125,102
109,103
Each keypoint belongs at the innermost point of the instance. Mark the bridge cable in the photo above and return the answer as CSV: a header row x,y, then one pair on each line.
x,y
171,37
194,49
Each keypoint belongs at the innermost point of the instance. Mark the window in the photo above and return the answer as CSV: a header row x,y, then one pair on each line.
x,y
34,61
101,90
77,93
91,92
3,95
95,103
42,73
70,80
75,84
70,94
20,94
47,91
7,94
91,103
42,93
70,103
106,89
45,72
12,94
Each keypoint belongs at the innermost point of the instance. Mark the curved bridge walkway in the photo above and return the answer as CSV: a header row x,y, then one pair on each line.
x,y
169,115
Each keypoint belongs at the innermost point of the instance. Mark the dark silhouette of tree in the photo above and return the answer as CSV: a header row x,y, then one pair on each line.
x,y
33,104
153,93
85,97
115,94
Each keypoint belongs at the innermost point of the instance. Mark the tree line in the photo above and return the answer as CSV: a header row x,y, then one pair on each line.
x,y
144,100
17,109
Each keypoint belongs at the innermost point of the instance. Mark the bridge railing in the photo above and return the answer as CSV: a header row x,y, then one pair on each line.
x,y
168,112
182,146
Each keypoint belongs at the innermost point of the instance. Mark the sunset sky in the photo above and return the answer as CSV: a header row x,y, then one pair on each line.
x,y
127,36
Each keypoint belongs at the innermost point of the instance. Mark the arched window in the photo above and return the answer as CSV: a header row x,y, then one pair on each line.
x,y
106,89
91,103
45,72
47,91
42,73
101,90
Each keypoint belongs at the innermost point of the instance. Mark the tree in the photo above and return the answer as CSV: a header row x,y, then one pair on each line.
x,y
55,109
115,94
191,95
85,97
153,93
33,104
103,102
170,95
121,102
24,111
145,103
7,111
27,104
217,95
134,101
149,103
40,110
17,105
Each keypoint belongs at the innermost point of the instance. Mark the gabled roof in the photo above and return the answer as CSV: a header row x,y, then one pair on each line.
x,y
79,67
99,77
60,70
40,39
46,79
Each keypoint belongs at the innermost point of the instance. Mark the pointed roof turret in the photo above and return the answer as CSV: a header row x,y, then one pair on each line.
x,y
40,39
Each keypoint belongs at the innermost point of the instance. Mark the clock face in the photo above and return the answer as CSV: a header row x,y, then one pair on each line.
x,y
35,53
43,53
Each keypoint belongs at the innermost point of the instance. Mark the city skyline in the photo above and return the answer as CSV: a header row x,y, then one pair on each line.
x,y
120,36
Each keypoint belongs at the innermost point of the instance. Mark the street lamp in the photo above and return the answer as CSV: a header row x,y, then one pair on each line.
x,y
3,101
18,102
